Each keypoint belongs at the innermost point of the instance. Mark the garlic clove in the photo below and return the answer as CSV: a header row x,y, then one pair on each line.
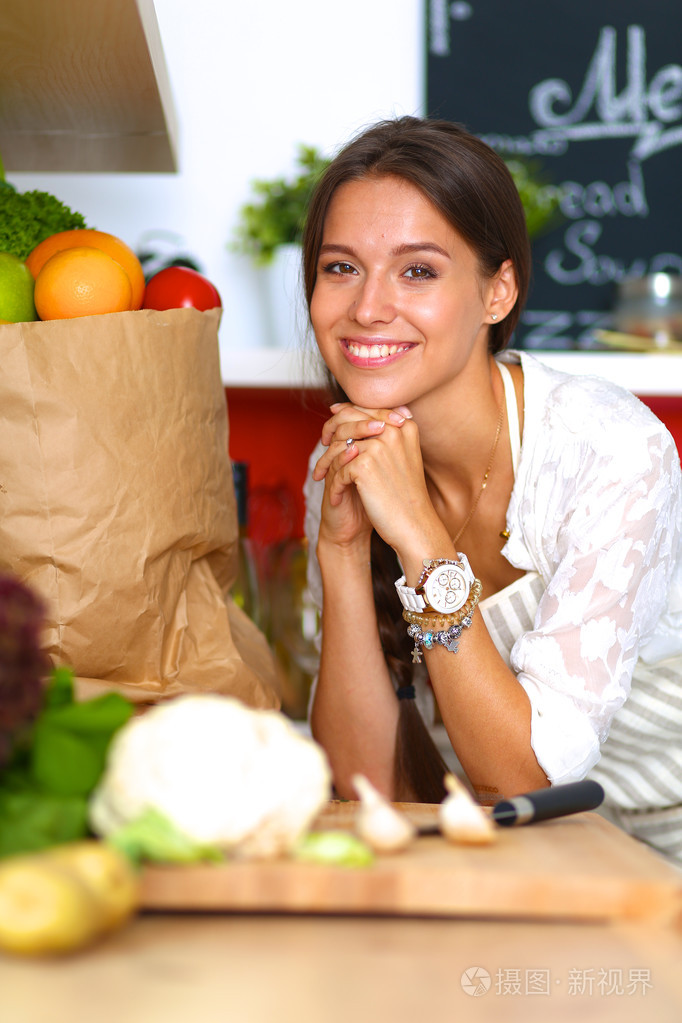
x,y
377,822
461,819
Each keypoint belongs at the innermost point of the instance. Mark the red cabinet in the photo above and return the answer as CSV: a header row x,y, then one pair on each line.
x,y
275,430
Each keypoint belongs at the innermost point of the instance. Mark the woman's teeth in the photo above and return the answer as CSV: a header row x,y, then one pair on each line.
x,y
374,351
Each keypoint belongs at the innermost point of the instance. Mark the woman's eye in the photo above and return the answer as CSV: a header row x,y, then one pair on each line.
x,y
419,273
339,268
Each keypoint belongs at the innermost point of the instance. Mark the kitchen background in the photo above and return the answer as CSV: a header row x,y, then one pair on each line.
x,y
249,83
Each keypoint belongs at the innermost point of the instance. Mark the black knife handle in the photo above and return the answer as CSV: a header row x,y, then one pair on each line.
x,y
555,801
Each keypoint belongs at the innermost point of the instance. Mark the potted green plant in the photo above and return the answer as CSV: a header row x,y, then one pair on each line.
x,y
277,215
270,228
540,198
269,231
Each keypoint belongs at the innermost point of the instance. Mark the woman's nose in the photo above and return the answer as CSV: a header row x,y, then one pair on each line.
x,y
373,302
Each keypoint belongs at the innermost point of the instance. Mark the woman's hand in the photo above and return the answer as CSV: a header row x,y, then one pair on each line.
x,y
348,424
377,480
344,520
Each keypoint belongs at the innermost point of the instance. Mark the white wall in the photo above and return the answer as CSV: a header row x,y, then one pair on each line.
x,y
250,81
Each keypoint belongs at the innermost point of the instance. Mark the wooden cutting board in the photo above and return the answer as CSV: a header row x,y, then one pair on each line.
x,y
573,868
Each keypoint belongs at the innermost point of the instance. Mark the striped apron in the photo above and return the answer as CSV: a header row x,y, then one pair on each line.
x,y
641,760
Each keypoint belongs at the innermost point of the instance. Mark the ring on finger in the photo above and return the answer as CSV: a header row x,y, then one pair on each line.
x,y
349,442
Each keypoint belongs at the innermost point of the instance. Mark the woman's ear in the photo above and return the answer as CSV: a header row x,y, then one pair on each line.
x,y
502,292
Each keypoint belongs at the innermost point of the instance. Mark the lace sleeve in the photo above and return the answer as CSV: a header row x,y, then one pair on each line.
x,y
606,522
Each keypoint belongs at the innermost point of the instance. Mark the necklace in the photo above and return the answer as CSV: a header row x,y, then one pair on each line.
x,y
484,484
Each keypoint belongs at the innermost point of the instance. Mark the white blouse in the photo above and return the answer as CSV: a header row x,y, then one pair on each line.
x,y
596,512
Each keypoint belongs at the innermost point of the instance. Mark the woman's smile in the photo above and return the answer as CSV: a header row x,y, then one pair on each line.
x,y
373,352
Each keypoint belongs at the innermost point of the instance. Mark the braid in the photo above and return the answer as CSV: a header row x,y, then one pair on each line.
x,y
419,768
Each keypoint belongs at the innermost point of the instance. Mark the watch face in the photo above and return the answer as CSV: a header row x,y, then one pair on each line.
x,y
446,589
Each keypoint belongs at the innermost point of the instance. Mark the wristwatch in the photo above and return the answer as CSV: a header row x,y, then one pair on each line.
x,y
443,587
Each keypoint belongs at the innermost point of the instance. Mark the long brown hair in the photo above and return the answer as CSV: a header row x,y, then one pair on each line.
x,y
470,185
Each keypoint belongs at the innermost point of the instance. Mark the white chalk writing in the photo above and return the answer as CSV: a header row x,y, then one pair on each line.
x,y
439,28
579,263
643,111
637,111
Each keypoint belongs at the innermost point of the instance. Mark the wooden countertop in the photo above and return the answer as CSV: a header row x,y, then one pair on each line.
x,y
352,967
281,969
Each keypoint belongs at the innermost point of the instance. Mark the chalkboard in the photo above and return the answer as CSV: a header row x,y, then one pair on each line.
x,y
591,92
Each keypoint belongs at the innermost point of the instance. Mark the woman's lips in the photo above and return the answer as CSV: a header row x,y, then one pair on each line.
x,y
376,353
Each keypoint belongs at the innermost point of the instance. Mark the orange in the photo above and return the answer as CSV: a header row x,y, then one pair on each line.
x,y
81,282
108,243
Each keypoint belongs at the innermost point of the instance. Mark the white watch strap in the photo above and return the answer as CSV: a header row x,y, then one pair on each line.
x,y
409,598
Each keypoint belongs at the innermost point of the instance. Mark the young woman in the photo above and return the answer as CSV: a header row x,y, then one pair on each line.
x,y
481,527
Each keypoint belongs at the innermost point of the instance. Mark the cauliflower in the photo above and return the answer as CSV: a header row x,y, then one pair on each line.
x,y
224,774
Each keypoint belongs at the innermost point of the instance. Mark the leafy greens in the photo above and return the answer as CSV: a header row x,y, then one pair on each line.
x,y
45,788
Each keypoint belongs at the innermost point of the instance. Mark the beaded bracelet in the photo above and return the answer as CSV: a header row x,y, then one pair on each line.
x,y
426,631
438,622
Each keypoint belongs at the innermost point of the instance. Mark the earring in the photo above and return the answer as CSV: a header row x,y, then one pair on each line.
x,y
493,316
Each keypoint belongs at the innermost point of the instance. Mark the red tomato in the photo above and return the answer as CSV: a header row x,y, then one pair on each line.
x,y
177,287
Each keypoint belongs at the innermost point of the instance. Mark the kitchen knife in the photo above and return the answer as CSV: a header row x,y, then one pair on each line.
x,y
541,805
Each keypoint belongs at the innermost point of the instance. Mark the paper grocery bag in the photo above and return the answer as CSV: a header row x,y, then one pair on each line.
x,y
117,503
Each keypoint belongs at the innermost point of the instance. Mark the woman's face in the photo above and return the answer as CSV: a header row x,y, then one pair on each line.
x,y
398,306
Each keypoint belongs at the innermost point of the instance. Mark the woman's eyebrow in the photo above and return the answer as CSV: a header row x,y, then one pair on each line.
x,y
400,250
338,248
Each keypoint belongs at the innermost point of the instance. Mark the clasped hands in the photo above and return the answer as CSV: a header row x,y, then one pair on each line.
x,y
377,481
